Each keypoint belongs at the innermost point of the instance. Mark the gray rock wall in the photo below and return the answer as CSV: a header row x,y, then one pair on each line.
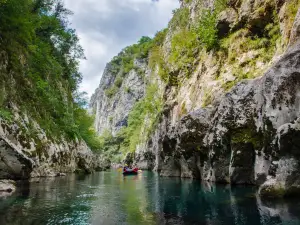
x,y
22,156
112,113
248,135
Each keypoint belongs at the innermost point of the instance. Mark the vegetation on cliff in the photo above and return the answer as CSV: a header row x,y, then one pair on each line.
x,y
39,74
216,41
123,63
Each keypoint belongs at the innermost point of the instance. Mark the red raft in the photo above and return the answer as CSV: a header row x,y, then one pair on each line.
x,y
127,171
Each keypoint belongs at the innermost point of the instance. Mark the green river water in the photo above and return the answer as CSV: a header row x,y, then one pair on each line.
x,y
109,198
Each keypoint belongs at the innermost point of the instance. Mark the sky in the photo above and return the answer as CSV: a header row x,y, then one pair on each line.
x,y
105,27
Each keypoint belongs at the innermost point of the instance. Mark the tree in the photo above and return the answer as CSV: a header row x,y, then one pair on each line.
x,y
43,54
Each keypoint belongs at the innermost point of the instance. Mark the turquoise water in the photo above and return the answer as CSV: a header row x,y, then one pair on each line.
x,y
109,198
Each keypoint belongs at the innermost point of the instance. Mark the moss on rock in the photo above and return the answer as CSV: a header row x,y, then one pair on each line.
x,y
247,135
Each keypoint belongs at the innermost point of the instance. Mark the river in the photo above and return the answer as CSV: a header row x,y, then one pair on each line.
x,y
109,198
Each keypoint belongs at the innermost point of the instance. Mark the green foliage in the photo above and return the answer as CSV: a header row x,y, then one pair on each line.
x,y
207,98
206,29
247,135
183,50
160,37
6,115
183,110
263,47
180,18
228,85
124,62
143,118
127,89
147,109
292,8
188,40
128,65
84,126
140,72
156,58
290,13
118,82
110,146
43,56
220,5
110,92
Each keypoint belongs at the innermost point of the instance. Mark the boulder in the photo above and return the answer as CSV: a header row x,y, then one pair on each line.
x,y
13,163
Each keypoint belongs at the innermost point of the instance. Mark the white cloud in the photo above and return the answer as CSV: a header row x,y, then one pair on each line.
x,y
105,27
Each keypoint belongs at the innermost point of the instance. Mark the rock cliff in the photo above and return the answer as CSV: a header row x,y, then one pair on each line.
x,y
231,97
249,137
112,111
23,156
44,127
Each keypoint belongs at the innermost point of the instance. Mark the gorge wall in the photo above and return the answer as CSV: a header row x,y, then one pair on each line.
x,y
227,73
23,156
44,128
112,112
26,150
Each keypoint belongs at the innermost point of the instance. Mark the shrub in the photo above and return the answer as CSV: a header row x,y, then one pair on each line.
x,y
140,72
118,82
184,48
180,18
183,110
156,59
85,125
207,98
127,89
220,5
110,92
207,31
187,41
160,37
6,115
124,62
43,54
291,11
127,64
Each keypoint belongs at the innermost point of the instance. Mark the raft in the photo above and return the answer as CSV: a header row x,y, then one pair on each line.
x,y
127,171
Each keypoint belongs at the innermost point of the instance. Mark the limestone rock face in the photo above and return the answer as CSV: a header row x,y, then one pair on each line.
x,y
233,115
13,163
112,112
249,135
22,156
295,33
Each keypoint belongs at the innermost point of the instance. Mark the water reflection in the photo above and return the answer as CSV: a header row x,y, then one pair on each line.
x,y
110,198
